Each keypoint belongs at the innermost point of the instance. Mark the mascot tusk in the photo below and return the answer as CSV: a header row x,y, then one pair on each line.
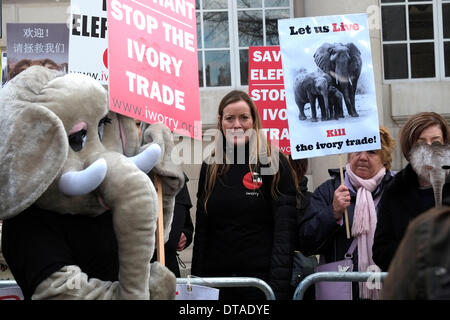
x,y
148,158
77,183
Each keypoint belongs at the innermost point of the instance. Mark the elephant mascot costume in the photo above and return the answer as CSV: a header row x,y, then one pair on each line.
x,y
78,207
343,63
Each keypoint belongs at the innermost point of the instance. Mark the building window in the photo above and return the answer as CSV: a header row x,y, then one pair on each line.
x,y
416,39
225,30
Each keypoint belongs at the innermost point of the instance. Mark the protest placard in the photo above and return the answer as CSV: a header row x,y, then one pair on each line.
x,y
266,88
36,44
153,63
329,81
88,43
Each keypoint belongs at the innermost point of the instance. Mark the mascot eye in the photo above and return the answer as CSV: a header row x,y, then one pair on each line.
x,y
77,140
101,126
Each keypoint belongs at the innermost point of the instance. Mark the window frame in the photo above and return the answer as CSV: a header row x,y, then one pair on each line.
x,y
438,40
235,48
442,39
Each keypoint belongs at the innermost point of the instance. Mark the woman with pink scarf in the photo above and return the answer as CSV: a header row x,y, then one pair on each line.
x,y
322,229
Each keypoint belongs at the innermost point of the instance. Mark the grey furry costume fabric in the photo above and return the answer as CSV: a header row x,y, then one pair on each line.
x,y
171,173
40,109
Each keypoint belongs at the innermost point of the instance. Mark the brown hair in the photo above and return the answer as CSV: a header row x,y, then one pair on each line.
x,y
299,168
258,145
414,127
26,63
387,147
19,67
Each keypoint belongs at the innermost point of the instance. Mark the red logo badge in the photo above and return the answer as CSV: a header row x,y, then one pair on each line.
x,y
105,58
252,181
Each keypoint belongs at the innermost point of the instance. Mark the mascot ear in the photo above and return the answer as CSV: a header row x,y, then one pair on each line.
x,y
122,135
33,144
31,156
170,164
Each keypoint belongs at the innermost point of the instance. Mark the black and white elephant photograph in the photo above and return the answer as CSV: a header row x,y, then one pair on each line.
x,y
339,68
343,63
346,64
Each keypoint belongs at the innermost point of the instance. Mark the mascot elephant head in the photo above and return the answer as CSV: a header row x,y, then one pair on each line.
x,y
343,63
63,151
432,165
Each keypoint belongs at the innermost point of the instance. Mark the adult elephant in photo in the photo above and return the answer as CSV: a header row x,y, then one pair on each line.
x,y
309,88
66,161
343,63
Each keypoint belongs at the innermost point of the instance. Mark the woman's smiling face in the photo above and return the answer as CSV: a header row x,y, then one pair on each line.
x,y
236,120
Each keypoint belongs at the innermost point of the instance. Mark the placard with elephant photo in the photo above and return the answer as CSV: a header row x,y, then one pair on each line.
x,y
329,81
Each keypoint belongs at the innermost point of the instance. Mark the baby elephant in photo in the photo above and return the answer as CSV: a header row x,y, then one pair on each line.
x,y
334,103
308,88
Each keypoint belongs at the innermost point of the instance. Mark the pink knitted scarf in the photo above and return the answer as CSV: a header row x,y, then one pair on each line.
x,y
364,224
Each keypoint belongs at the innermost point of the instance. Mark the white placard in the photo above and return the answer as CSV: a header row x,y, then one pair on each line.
x,y
329,49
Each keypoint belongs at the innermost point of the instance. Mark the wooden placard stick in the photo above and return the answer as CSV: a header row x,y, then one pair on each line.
x,y
160,224
341,171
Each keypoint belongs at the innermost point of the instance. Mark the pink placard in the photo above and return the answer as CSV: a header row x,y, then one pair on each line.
x,y
266,87
153,64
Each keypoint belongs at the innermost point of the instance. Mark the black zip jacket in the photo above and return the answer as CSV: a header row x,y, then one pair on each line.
x,y
401,202
319,233
246,232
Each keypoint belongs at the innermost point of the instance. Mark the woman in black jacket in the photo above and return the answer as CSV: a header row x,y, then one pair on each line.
x,y
322,229
407,196
246,219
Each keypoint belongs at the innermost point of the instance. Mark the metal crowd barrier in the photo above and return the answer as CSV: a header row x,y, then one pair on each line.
x,y
335,276
218,282
7,283
215,282
9,290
